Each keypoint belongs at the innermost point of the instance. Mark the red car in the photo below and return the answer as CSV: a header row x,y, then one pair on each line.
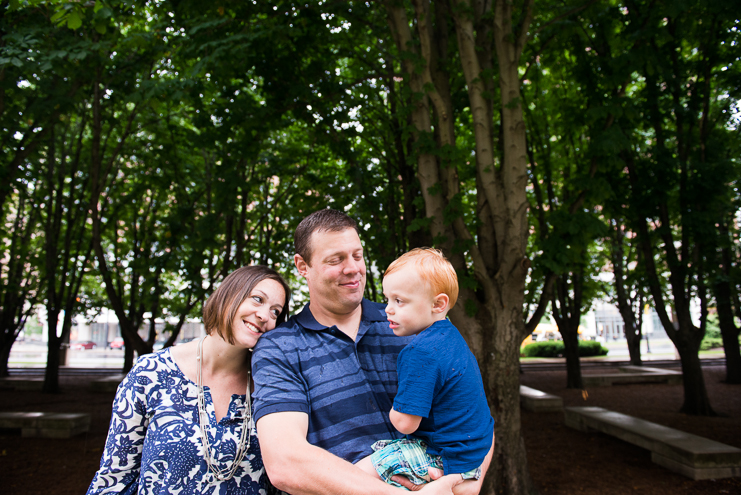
x,y
116,343
81,346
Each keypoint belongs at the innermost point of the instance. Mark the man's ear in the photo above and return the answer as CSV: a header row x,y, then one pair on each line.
x,y
440,303
301,265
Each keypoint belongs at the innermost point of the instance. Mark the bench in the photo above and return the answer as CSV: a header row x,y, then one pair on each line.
x,y
22,383
537,401
692,456
107,384
631,375
45,424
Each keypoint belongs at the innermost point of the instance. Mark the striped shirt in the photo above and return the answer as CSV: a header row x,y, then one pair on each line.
x,y
347,388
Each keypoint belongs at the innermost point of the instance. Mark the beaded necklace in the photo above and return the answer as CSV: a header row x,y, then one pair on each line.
x,y
244,440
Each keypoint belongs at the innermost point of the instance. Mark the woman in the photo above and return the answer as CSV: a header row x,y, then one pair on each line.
x,y
181,418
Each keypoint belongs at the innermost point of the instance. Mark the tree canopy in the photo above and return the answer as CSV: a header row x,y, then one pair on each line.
x,y
150,148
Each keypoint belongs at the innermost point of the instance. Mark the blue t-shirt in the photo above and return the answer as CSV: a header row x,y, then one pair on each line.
x,y
440,380
346,387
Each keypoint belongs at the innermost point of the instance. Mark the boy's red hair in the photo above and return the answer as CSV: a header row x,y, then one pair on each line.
x,y
433,268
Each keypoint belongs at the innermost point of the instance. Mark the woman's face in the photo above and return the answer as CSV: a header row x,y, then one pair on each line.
x,y
258,313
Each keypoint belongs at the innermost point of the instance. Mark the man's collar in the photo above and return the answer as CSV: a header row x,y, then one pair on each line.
x,y
307,320
371,313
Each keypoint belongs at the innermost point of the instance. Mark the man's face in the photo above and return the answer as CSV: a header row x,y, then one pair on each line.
x,y
336,272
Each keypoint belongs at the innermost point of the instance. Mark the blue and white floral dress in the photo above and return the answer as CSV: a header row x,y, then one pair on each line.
x,y
154,441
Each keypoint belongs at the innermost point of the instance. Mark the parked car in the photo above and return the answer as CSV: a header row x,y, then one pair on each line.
x,y
82,345
116,343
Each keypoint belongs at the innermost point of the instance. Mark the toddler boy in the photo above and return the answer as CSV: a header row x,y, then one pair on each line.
x,y
440,405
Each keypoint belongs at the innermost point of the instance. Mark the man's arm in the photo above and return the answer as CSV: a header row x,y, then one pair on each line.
x,y
297,467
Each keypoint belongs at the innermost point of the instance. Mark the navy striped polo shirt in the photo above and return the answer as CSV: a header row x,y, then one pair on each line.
x,y
347,388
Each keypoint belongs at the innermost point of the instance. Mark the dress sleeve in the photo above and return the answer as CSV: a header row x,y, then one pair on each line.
x,y
120,463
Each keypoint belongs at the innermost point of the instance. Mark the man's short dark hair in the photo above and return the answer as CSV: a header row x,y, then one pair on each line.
x,y
326,220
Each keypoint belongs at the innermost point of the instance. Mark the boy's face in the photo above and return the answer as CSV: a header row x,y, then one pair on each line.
x,y
410,307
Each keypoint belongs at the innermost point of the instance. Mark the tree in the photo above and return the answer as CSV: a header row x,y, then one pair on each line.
x,y
41,84
62,180
488,247
32,92
670,163
19,273
570,137
629,288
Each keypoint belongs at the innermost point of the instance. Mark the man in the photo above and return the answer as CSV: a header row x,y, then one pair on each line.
x,y
326,379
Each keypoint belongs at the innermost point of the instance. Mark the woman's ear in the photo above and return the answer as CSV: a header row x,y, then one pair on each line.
x,y
440,303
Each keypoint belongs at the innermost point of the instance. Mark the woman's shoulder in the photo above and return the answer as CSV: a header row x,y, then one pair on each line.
x,y
150,368
154,360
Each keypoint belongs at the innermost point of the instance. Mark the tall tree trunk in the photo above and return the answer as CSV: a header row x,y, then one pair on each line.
x,y
633,336
129,324
631,324
728,331
128,354
695,394
509,473
490,316
51,375
685,335
4,358
567,313
571,352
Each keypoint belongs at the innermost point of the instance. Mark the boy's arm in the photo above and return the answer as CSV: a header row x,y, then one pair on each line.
x,y
403,422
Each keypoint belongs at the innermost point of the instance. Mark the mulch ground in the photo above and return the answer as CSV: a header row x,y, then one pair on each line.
x,y
566,461
561,460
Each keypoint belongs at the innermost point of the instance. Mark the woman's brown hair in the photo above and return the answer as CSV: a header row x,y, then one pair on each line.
x,y
221,307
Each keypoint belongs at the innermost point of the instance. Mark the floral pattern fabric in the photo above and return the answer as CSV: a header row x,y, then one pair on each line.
x,y
154,440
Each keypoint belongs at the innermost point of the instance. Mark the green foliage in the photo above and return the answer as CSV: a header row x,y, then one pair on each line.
x,y
711,343
713,338
555,348
712,327
223,124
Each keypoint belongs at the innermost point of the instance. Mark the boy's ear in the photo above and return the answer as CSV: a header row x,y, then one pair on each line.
x,y
440,303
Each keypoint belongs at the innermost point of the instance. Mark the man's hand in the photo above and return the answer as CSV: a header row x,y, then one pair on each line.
x,y
462,487
442,485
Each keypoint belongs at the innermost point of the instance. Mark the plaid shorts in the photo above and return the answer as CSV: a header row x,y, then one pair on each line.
x,y
408,457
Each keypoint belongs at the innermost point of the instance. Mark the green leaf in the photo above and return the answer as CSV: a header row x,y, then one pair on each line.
x,y
58,16
74,21
104,13
100,27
